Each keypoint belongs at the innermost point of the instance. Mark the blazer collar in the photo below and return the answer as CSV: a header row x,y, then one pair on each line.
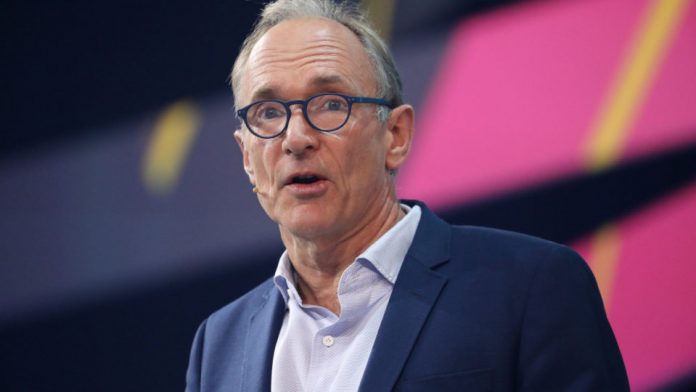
x,y
431,244
264,327
416,290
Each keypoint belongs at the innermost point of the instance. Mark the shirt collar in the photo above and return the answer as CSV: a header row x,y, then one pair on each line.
x,y
284,277
386,254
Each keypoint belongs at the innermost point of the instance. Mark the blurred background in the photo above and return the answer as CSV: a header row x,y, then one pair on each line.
x,y
126,217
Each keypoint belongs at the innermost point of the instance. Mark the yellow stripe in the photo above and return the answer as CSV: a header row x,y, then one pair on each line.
x,y
634,79
170,143
381,13
604,258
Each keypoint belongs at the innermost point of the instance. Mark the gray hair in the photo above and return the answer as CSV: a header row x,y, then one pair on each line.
x,y
343,12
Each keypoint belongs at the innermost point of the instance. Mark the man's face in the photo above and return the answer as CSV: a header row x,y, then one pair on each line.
x,y
312,183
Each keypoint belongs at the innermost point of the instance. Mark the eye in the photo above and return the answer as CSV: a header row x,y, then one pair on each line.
x,y
267,111
335,104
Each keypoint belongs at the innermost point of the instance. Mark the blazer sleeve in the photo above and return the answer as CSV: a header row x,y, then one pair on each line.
x,y
566,342
193,373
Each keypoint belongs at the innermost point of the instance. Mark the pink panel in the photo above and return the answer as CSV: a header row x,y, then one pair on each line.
x,y
654,301
668,116
653,309
515,96
518,90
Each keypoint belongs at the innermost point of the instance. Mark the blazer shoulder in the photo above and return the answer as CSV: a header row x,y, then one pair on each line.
x,y
227,342
512,251
244,306
499,237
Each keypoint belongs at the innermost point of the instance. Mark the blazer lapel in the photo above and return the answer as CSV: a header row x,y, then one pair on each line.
x,y
264,327
415,292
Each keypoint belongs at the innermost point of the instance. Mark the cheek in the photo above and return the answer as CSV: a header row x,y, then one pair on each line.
x,y
364,159
371,146
262,162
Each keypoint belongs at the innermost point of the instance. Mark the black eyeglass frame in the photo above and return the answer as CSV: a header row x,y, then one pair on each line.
x,y
242,113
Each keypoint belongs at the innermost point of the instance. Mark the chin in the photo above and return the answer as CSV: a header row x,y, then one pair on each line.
x,y
308,222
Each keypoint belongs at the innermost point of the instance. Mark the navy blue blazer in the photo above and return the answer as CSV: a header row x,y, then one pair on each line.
x,y
473,309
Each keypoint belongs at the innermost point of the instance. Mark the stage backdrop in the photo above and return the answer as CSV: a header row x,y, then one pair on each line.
x,y
127,217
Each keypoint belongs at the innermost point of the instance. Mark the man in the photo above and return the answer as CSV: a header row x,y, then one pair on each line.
x,y
373,294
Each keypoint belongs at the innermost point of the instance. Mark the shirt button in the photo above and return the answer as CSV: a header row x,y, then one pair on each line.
x,y
328,341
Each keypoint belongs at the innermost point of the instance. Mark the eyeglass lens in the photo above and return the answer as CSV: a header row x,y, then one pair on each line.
x,y
325,112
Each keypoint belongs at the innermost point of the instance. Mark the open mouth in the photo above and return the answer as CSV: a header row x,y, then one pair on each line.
x,y
304,180
306,185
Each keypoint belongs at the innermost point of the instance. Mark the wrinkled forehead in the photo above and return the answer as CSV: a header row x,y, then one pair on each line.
x,y
306,53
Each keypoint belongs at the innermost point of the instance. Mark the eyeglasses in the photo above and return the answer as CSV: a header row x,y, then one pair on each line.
x,y
269,118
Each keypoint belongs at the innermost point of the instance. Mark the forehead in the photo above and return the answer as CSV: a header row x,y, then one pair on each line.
x,y
307,55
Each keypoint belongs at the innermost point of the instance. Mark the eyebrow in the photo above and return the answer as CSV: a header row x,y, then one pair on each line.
x,y
318,83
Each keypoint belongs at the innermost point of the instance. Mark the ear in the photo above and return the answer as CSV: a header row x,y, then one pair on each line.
x,y
399,135
239,137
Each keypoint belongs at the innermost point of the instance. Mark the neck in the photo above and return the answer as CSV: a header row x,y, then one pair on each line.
x,y
320,262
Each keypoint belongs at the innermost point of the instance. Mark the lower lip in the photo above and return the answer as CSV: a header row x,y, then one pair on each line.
x,y
314,189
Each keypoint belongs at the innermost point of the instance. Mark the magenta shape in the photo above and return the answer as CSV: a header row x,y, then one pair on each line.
x,y
515,98
668,115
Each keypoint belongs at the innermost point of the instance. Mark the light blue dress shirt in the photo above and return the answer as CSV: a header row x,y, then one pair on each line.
x,y
319,351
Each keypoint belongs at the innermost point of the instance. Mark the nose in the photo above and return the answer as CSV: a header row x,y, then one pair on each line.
x,y
300,137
